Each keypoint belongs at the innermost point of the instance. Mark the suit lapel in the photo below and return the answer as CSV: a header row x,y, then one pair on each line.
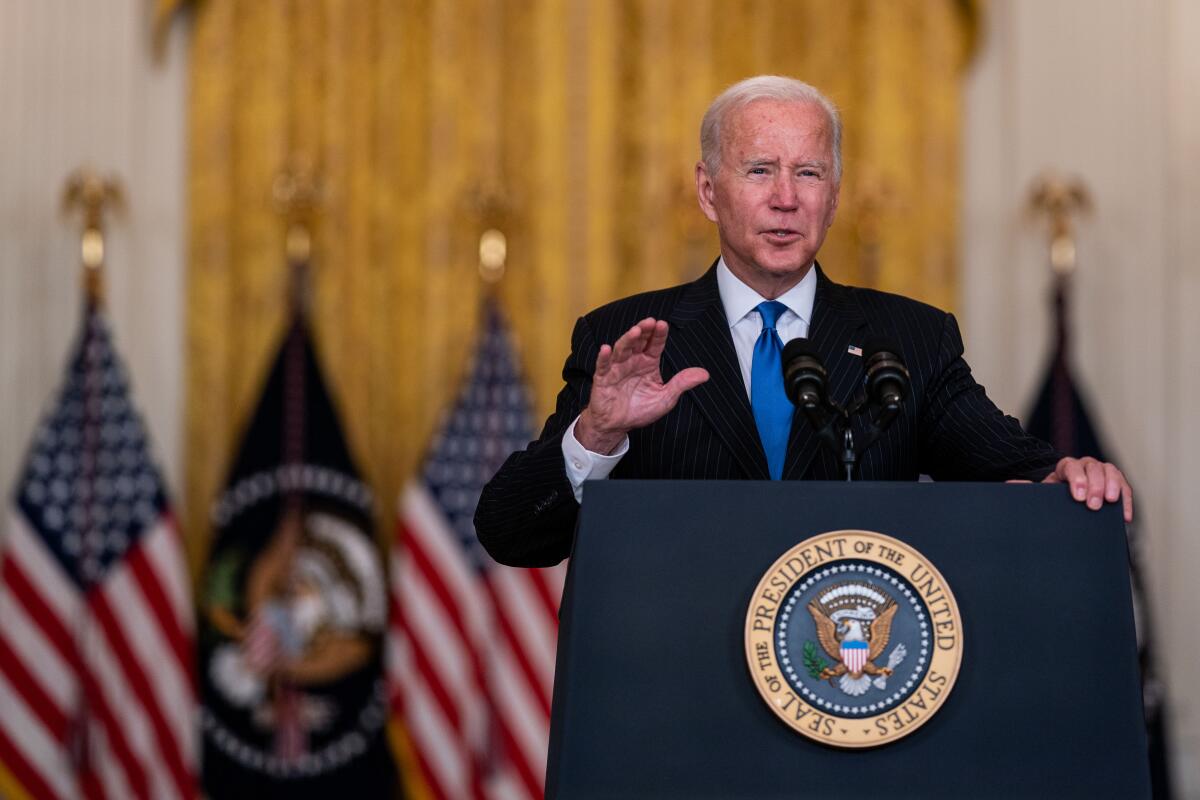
x,y
836,324
699,336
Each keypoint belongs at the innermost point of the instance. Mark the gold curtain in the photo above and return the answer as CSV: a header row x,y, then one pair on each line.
x,y
571,125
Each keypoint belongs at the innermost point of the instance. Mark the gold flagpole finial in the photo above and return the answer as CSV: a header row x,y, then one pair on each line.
x,y
493,255
1059,199
491,206
94,195
298,197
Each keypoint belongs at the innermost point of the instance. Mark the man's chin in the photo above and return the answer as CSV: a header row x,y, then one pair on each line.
x,y
769,271
782,270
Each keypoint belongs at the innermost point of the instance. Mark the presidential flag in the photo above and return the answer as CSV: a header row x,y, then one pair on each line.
x,y
293,606
97,694
471,643
1060,416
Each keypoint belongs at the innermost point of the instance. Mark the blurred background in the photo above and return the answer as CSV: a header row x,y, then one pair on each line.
x,y
570,127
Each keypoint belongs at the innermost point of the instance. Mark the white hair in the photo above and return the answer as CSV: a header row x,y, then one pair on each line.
x,y
764,87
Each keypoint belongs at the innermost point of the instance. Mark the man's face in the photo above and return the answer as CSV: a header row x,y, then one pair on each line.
x,y
774,195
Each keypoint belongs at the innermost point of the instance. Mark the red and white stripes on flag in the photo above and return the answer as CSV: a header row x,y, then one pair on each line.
x,y
471,660
97,693
108,712
854,656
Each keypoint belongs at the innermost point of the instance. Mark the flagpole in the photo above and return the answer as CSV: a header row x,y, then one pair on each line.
x,y
92,558
311,596
1060,200
297,198
492,208
493,257
94,195
91,194
490,416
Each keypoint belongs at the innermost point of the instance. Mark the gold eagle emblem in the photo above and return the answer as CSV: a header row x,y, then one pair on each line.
x,y
854,623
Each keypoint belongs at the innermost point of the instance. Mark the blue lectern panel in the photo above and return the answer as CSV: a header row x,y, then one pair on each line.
x,y
653,697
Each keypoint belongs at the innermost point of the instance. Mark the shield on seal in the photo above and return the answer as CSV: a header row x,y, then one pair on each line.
x,y
854,655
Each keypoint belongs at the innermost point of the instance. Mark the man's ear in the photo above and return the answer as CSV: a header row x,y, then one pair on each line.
x,y
706,192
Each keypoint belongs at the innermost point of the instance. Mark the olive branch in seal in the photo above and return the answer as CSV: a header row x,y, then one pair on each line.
x,y
813,661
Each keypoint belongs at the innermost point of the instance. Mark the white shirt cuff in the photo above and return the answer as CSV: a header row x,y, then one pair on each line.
x,y
583,464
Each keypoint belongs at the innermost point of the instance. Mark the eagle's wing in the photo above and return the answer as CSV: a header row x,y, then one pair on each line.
x,y
826,632
881,631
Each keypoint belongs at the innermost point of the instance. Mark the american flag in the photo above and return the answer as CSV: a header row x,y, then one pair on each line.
x,y
471,650
97,697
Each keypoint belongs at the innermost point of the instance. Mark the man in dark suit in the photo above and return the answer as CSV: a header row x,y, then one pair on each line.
x,y
706,402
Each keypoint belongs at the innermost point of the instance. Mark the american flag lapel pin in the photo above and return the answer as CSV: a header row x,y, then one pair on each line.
x,y
854,350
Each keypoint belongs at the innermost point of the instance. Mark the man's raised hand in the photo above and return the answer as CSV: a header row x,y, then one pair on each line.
x,y
627,388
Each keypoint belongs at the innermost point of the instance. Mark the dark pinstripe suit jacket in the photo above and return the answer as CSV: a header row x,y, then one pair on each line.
x,y
949,429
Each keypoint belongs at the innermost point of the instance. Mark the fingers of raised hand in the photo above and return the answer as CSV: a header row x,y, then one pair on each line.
x,y
657,339
604,360
634,340
624,346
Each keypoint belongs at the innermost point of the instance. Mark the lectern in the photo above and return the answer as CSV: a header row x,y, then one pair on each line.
x,y
655,696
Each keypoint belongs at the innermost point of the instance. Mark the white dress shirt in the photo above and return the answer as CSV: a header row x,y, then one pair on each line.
x,y
745,324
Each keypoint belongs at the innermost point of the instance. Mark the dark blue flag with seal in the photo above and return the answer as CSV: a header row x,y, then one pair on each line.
x,y
1060,416
293,606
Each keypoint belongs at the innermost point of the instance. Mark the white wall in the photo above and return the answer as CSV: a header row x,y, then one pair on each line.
x,y
1109,91
78,84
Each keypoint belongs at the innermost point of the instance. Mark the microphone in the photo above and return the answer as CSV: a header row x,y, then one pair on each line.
x,y
887,380
804,376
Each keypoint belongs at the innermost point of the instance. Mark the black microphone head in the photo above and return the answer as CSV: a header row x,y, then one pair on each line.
x,y
804,374
800,347
887,379
879,344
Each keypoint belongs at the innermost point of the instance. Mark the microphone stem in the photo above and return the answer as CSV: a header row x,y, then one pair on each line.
x,y
848,456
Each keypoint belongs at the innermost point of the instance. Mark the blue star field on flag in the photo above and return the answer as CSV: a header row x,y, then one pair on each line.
x,y
491,418
89,486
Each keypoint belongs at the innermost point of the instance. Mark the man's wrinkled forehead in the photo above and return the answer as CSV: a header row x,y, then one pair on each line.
x,y
752,121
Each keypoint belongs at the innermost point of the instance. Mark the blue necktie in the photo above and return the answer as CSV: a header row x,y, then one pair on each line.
x,y
772,409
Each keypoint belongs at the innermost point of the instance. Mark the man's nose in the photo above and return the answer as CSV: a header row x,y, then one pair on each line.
x,y
784,196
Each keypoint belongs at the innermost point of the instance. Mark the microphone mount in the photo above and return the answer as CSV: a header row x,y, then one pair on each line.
x,y
885,385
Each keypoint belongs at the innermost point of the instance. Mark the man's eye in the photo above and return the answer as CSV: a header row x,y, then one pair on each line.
x,y
758,170
809,173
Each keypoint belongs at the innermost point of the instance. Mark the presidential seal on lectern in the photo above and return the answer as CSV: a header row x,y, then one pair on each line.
x,y
853,638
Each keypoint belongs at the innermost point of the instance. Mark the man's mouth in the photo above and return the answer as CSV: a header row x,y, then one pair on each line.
x,y
782,234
